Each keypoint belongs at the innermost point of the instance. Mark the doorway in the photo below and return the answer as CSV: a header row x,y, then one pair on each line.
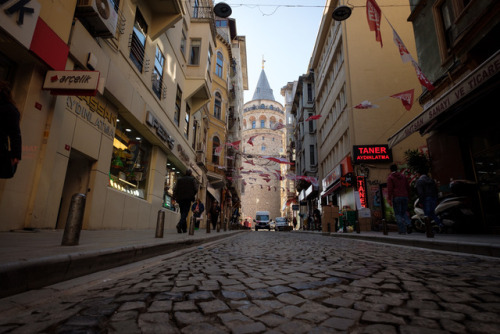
x,y
76,181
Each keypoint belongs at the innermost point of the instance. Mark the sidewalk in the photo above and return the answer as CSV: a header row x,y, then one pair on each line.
x,y
34,259
30,260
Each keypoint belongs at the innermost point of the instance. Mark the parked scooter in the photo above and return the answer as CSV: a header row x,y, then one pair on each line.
x,y
418,220
455,210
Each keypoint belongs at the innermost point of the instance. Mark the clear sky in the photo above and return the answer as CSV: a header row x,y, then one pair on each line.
x,y
281,31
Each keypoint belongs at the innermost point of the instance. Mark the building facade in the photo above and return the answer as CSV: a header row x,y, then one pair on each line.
x,y
123,142
263,125
459,51
354,76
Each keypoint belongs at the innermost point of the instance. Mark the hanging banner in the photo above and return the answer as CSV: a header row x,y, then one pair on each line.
x,y
373,15
406,98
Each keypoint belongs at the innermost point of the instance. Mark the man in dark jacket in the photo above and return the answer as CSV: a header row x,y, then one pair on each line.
x,y
10,133
427,195
398,192
185,191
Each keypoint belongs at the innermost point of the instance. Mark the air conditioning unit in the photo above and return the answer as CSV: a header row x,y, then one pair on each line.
x,y
100,15
200,158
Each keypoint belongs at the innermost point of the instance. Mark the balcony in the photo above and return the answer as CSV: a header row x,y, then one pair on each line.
x,y
164,15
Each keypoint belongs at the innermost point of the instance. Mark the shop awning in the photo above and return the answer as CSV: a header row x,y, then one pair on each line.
x,y
214,193
331,189
470,83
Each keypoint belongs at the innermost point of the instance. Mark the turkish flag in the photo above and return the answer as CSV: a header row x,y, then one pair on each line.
x,y
421,77
310,118
277,126
406,98
250,140
373,14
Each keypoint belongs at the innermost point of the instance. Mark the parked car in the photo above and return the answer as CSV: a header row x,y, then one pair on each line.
x,y
281,224
262,219
272,225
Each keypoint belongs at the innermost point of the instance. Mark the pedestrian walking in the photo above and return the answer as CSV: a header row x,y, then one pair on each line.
x,y
185,191
214,214
294,223
10,133
317,219
398,192
427,195
198,208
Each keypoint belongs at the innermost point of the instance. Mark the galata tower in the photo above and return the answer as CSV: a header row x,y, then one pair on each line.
x,y
263,136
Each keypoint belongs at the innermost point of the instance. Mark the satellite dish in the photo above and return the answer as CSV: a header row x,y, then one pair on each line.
x,y
341,13
222,9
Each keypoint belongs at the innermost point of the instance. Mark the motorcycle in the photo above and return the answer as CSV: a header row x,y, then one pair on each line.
x,y
418,220
455,210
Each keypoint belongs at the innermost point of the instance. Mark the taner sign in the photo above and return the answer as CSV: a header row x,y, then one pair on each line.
x,y
371,153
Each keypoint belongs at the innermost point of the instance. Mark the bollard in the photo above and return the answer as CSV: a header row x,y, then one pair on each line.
x,y
209,222
329,227
217,224
358,229
191,226
74,221
225,224
160,223
428,228
384,227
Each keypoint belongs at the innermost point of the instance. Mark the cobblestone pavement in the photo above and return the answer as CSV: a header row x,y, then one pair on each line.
x,y
270,282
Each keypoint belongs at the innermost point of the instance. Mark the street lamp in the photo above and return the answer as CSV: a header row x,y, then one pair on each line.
x,y
341,13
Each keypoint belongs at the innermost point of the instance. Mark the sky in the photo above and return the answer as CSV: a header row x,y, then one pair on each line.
x,y
281,31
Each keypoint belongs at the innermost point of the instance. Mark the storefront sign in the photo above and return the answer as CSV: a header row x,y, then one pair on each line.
x,y
95,112
153,122
361,183
19,18
471,82
295,207
333,176
72,82
183,155
372,153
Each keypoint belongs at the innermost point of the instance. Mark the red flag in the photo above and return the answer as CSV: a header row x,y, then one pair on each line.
x,y
279,160
218,149
421,77
373,14
366,105
310,118
406,98
250,140
403,51
277,126
249,162
235,144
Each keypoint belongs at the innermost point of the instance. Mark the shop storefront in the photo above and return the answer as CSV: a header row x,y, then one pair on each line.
x,y
464,141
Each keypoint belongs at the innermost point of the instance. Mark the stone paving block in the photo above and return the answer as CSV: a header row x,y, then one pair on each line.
x,y
453,326
234,294
312,294
339,323
258,285
289,311
378,329
259,294
482,327
187,305
201,295
154,323
83,321
236,287
124,327
438,314
161,306
296,327
213,306
169,295
311,306
312,317
289,298
457,297
279,289
403,311
255,327
134,297
348,313
128,306
269,304
420,330
339,302
424,322
384,318
186,318
233,317
272,320
123,316
387,300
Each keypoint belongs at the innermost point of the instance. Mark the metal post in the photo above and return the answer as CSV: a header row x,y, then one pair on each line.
x,y
384,227
225,224
191,225
428,228
217,224
160,223
358,228
209,222
74,221
329,227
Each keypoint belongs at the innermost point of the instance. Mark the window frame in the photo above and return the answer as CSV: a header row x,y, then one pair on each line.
x,y
219,66
138,41
217,105
158,70
194,52
178,106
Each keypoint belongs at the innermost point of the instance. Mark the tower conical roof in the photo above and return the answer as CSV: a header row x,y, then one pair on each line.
x,y
263,91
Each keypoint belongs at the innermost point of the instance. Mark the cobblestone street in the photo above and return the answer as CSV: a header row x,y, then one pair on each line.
x,y
270,282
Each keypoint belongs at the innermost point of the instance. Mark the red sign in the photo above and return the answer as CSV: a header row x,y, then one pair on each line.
x,y
372,153
361,183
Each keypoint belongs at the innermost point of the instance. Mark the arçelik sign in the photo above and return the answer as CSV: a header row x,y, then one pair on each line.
x,y
372,153
82,83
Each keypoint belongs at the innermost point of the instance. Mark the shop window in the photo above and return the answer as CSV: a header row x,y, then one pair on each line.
x,y
130,160
138,41
168,190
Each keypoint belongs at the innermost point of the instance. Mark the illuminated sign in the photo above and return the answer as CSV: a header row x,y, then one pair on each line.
x,y
372,153
361,183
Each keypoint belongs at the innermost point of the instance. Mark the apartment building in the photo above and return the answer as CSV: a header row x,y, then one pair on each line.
x,y
121,140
